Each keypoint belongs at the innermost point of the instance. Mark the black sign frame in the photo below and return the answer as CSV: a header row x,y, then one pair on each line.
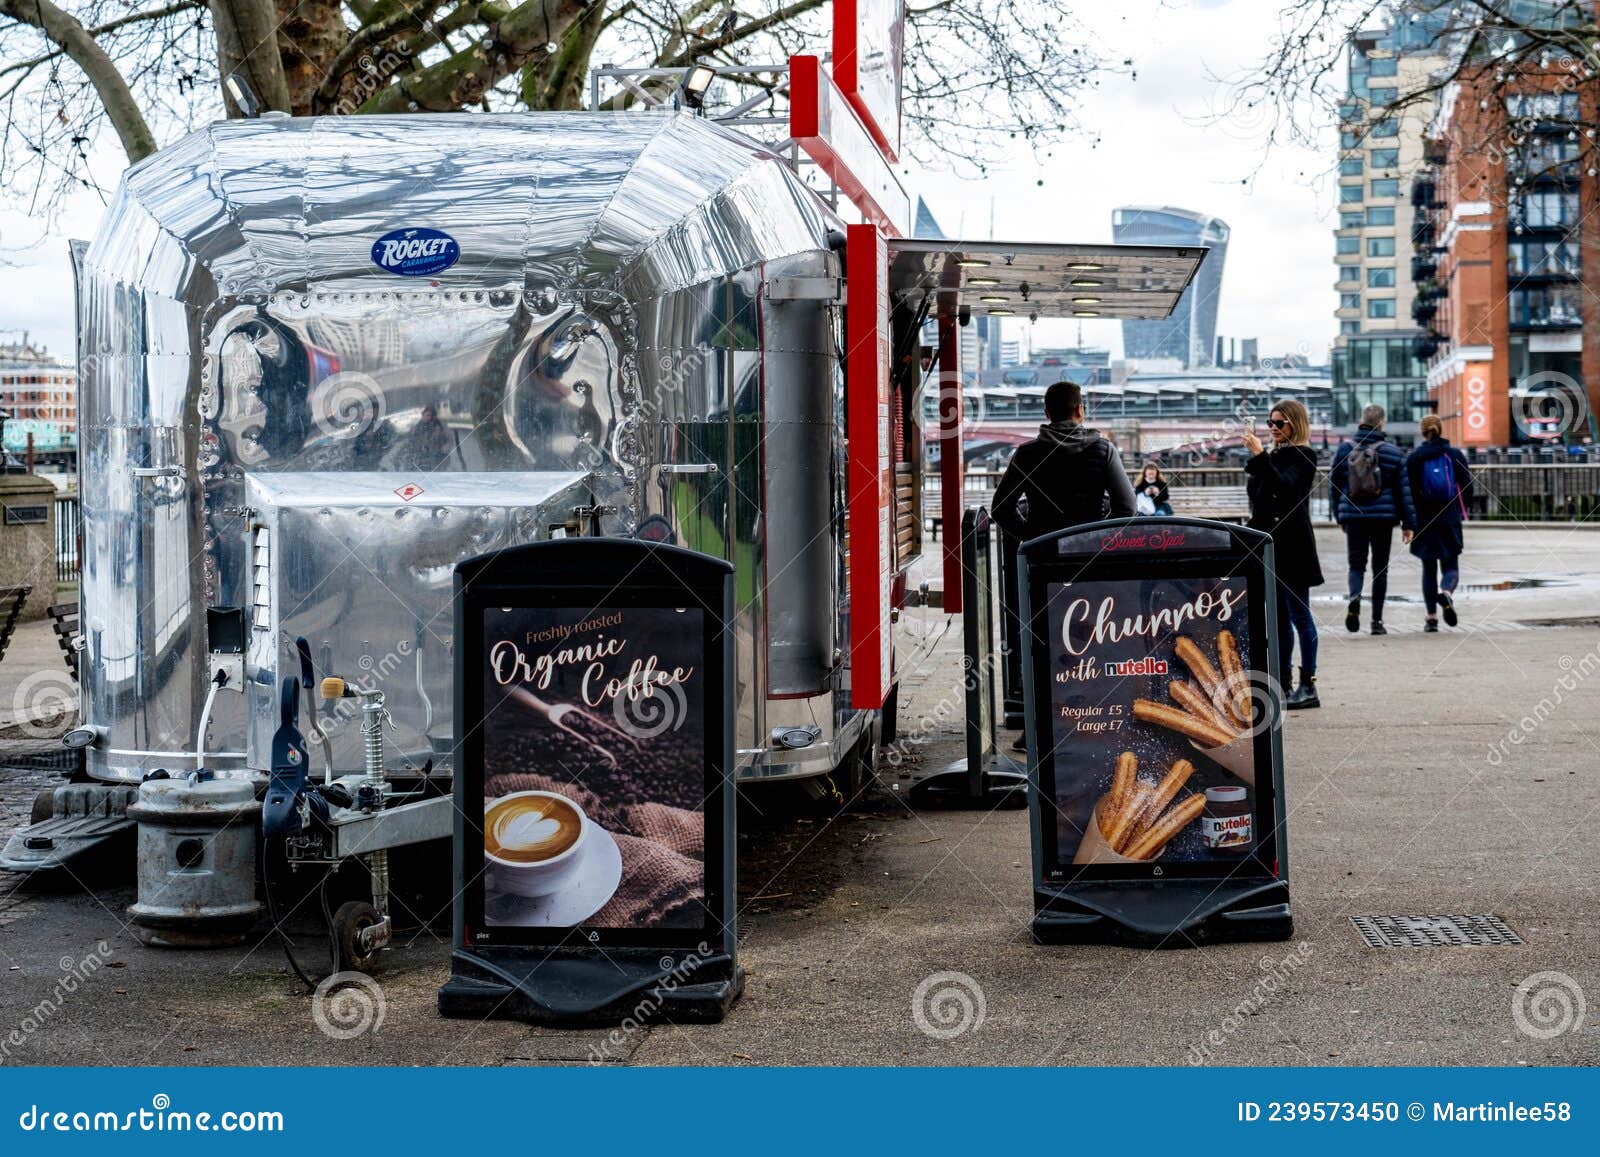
x,y
986,778
1152,903
584,974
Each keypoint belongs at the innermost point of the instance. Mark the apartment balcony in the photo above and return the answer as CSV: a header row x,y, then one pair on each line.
x,y
1425,193
1348,313
1347,286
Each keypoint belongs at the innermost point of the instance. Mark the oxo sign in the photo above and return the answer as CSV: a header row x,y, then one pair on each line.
x,y
1475,424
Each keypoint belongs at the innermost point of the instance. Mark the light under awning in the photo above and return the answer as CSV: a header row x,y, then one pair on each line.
x,y
1017,279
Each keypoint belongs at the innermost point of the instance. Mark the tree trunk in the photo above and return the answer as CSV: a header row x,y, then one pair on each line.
x,y
247,44
556,82
310,35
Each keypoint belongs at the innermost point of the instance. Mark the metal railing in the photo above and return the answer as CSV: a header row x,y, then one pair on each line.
x,y
69,563
1529,493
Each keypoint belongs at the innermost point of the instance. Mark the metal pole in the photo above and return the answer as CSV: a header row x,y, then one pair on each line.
x,y
952,484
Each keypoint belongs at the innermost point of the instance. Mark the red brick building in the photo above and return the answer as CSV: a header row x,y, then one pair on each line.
x,y
1507,261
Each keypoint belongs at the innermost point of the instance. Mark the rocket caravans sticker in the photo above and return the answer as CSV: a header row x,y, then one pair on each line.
x,y
415,252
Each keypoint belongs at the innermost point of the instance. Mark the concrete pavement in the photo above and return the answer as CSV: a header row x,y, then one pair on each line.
x,y
1449,773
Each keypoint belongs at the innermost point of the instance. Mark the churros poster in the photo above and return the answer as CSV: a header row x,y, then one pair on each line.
x,y
594,768
1153,710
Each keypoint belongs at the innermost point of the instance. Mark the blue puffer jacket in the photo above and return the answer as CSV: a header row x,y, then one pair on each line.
x,y
1393,503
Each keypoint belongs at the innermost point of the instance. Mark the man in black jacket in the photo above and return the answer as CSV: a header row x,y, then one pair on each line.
x,y
1068,475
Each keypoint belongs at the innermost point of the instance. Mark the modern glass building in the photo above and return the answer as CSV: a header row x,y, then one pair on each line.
x,y
1190,334
1377,242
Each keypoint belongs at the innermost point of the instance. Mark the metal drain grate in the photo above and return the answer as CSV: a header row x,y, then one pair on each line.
x,y
1433,931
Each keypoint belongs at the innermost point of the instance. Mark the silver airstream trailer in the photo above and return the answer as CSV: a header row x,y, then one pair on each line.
x,y
323,360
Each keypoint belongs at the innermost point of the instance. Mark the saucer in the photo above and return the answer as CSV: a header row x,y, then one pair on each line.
x,y
598,875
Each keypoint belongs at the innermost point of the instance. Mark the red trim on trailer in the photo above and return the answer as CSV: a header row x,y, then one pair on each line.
x,y
847,71
869,478
827,127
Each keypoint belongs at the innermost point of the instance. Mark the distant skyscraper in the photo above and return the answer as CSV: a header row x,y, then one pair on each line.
x,y
1190,333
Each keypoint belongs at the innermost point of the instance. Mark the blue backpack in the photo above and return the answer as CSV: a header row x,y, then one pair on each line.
x,y
1439,480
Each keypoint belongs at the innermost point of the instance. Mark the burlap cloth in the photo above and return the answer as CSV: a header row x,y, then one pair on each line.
x,y
663,852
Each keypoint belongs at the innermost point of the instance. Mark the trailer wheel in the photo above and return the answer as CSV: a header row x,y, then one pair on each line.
x,y
348,921
858,770
43,806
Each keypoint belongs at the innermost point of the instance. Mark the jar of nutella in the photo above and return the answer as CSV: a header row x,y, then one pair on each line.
x,y
1225,824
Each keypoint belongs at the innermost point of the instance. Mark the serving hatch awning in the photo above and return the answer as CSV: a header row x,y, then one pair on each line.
x,y
1022,279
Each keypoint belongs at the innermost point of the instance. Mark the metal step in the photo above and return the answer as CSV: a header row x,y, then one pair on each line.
x,y
85,817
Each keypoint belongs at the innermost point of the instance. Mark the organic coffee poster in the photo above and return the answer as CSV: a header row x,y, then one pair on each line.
x,y
594,752
1153,715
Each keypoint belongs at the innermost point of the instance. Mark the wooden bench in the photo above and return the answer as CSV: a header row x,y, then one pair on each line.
x,y
1222,503
12,600
64,620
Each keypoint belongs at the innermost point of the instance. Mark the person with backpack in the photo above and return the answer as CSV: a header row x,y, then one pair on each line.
x,y
1279,482
1369,494
1441,486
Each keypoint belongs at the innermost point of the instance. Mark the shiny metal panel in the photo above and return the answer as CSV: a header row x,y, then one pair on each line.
x,y
363,570
1031,279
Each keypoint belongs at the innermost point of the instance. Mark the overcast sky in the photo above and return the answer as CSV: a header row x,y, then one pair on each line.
x,y
1157,143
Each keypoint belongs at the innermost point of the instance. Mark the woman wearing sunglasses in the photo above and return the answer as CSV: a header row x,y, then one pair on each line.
x,y
1279,482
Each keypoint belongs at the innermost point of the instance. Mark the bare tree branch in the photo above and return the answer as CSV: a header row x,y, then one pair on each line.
x,y
76,42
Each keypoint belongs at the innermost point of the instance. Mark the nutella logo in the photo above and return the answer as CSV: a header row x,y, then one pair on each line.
x,y
1137,667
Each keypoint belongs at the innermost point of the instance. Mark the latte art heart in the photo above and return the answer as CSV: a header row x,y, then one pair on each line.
x,y
531,828
526,830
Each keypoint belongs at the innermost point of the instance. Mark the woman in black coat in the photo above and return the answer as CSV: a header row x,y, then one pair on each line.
x,y
1279,482
1441,489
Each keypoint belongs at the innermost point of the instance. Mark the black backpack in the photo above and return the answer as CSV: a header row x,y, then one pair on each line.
x,y
1364,474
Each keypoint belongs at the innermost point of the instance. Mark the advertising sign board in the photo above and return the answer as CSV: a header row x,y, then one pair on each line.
x,y
1153,718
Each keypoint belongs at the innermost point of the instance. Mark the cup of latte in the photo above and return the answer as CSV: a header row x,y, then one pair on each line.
x,y
532,840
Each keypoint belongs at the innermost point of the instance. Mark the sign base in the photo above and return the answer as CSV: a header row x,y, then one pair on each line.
x,y
590,990
1173,914
1002,784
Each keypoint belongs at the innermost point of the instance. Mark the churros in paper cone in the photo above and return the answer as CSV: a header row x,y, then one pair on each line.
x,y
1093,848
1213,712
1138,817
